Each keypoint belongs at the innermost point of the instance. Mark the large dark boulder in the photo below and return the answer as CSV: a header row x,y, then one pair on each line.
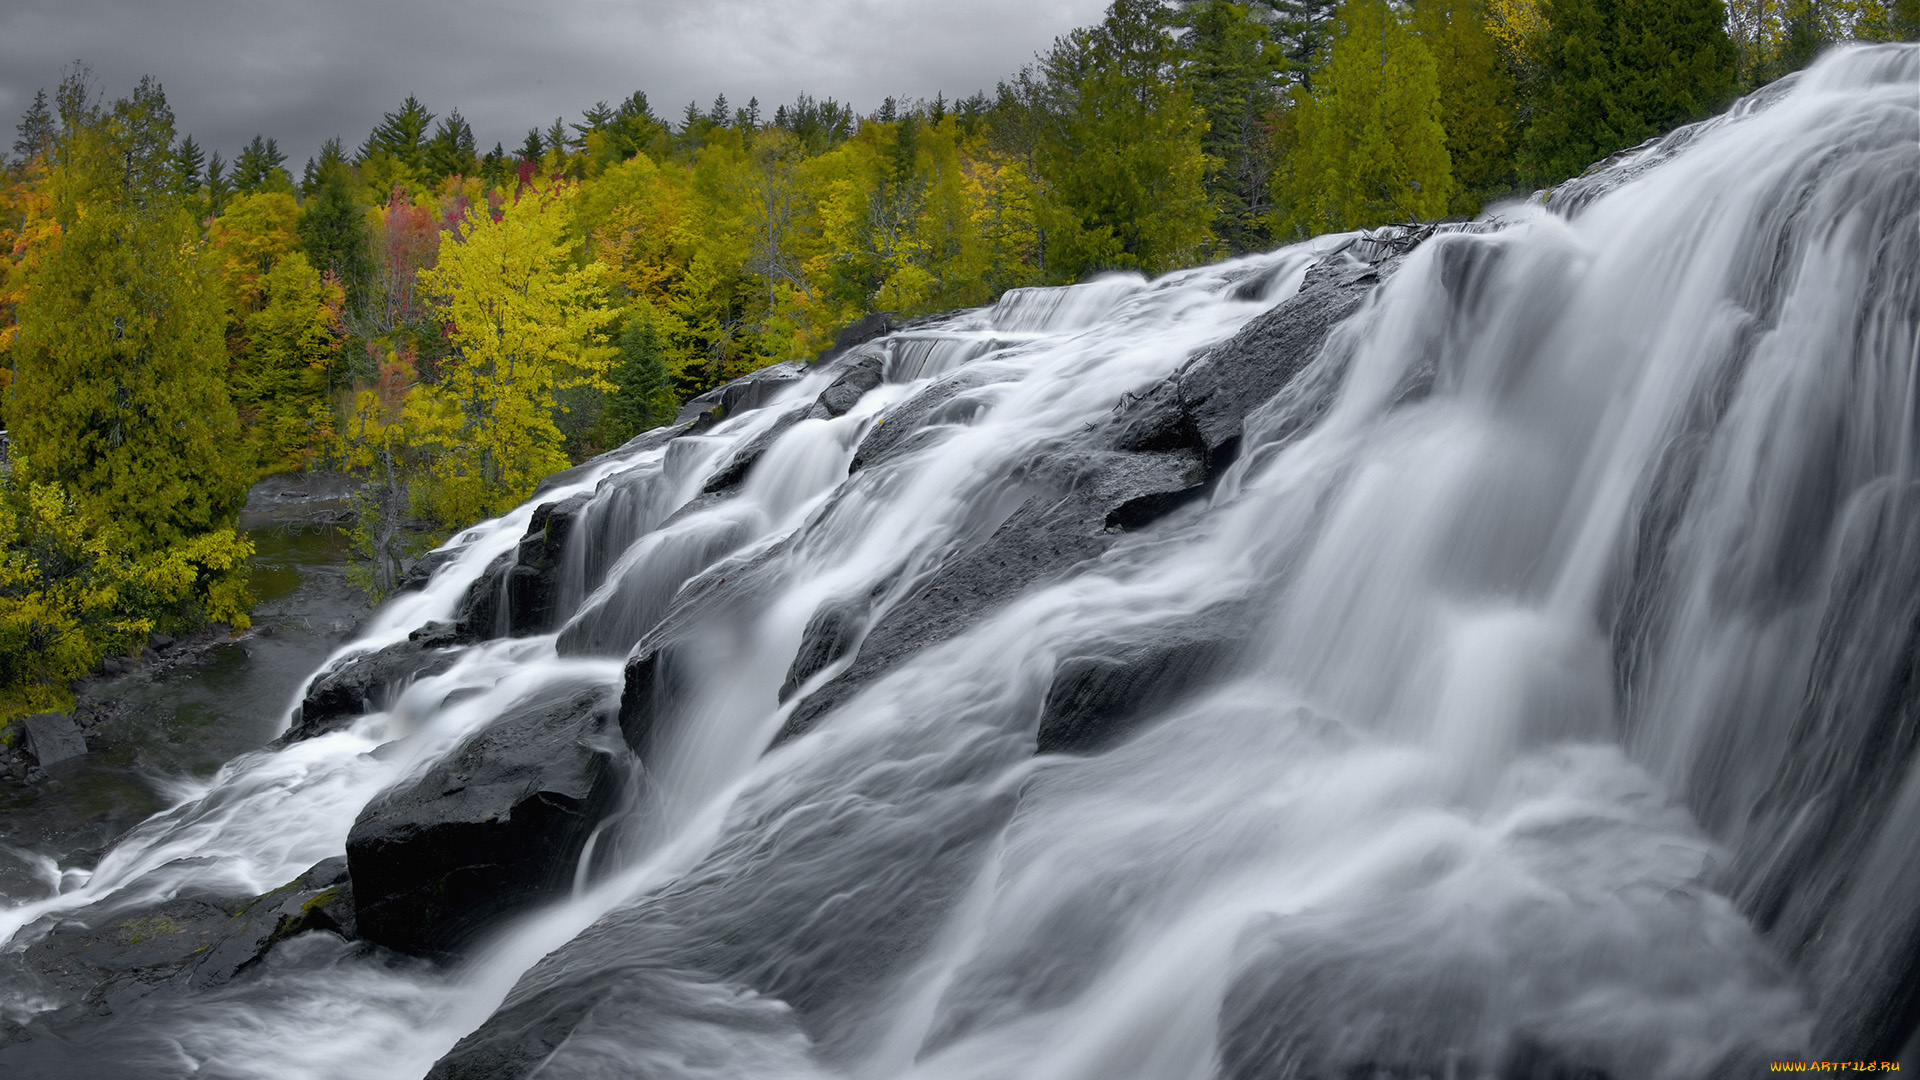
x,y
535,583
372,681
52,737
493,829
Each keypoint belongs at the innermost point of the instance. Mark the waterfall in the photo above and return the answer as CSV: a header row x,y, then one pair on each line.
x,y
1477,651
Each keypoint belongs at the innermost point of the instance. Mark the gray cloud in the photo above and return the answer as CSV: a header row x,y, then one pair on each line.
x,y
303,71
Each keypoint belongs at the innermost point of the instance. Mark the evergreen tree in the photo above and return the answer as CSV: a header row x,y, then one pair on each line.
x,y
218,186
401,134
395,152
1478,105
122,382
493,167
1304,29
1121,158
643,396
333,224
1618,72
451,151
259,168
36,131
1232,68
188,161
634,129
533,147
1371,147
333,157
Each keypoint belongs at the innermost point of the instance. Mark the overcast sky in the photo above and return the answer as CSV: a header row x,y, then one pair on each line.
x,y
303,71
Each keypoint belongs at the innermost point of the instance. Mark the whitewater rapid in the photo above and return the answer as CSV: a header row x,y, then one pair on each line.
x,y
1554,562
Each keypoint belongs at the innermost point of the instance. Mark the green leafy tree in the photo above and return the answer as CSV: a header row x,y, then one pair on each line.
x,y
1615,73
1371,146
1121,160
1478,104
524,321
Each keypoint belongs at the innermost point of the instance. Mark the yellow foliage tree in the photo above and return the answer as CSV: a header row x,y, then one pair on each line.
x,y
523,320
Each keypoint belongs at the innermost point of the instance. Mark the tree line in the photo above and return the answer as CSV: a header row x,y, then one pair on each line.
x,y
451,325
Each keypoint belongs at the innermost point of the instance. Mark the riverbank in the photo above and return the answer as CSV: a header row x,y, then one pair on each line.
x,y
159,726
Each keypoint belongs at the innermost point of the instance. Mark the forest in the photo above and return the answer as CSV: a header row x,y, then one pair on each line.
x,y
450,324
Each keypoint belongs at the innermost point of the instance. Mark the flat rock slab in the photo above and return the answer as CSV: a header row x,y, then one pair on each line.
x,y
52,737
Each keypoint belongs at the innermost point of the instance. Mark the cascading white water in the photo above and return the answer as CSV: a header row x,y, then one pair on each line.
x,y
1546,554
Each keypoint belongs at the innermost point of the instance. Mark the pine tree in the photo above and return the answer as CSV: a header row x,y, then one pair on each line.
x,y
259,168
401,135
1304,29
1232,69
36,130
643,396
1618,72
218,186
188,161
1371,146
451,151
333,225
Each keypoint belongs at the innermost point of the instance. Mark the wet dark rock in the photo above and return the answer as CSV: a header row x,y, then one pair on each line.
x,y
749,391
102,963
423,569
320,899
51,738
1061,525
370,682
912,422
533,584
866,328
743,460
482,614
1207,403
494,829
833,632
846,391
1097,700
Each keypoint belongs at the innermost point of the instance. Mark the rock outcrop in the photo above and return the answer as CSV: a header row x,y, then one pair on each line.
x,y
493,829
370,682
